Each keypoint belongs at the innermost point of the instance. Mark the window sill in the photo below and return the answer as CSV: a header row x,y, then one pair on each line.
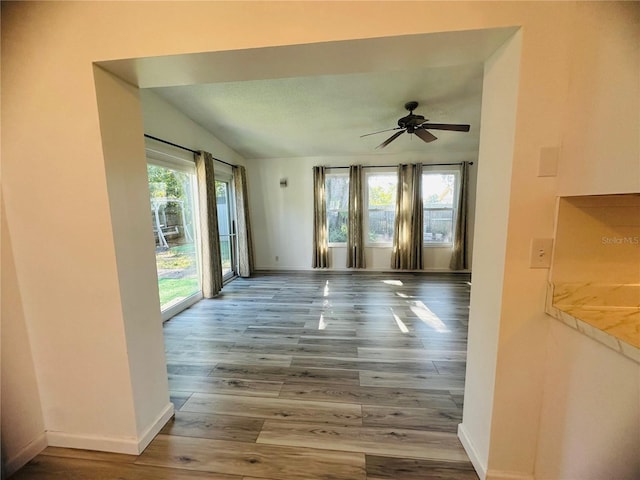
x,y
180,306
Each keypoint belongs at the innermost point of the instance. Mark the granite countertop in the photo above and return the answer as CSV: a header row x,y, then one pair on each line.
x,y
608,313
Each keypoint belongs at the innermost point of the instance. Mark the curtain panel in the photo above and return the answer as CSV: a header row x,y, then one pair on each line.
x,y
459,257
245,241
320,240
407,236
211,271
355,231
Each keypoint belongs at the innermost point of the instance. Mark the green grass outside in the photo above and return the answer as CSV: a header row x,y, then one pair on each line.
x,y
225,254
181,258
172,288
176,258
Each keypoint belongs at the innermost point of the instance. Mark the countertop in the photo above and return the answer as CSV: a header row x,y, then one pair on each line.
x,y
610,314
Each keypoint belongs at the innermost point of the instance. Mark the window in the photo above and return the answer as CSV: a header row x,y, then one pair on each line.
x,y
337,189
173,215
226,226
381,207
439,199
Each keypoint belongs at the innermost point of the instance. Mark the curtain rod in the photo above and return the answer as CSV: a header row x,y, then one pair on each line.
x,y
392,166
185,148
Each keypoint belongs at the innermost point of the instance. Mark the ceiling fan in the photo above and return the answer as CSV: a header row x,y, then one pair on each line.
x,y
418,125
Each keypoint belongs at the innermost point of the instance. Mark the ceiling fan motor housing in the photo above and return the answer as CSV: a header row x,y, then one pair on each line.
x,y
411,121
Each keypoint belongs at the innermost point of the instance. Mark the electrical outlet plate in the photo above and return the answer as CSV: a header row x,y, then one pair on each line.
x,y
540,256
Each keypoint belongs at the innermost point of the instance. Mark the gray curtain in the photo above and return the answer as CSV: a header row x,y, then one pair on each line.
x,y
459,260
355,233
245,243
407,236
320,241
211,271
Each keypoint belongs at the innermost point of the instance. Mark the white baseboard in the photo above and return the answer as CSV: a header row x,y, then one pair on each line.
x,y
358,270
20,459
126,445
283,269
497,475
478,465
153,429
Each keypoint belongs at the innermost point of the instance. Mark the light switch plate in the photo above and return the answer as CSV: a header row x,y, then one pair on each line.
x,y
540,256
548,163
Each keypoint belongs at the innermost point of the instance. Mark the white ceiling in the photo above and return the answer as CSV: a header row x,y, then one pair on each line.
x,y
325,115
318,99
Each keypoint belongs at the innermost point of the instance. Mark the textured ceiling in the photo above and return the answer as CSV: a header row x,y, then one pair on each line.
x,y
318,99
325,115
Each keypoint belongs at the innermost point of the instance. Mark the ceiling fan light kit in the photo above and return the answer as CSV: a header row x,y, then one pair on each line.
x,y
417,124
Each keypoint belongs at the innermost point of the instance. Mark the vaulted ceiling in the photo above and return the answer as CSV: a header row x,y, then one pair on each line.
x,y
318,99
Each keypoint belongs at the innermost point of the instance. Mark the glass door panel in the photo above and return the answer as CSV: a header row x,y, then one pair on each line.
x,y
173,215
226,229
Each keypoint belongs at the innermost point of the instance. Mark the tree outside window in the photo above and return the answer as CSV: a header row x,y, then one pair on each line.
x,y
381,214
439,191
172,212
337,190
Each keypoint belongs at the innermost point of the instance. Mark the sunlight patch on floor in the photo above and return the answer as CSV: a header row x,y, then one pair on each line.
x,y
428,317
403,295
403,328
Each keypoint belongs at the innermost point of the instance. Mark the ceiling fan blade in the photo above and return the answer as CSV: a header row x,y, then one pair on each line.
x,y
424,135
381,131
445,126
390,139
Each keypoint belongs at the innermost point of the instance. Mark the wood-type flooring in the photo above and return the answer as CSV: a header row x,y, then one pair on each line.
x,y
306,376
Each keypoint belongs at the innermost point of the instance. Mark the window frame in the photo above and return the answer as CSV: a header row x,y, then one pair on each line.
x,y
389,171
455,171
157,157
224,176
326,178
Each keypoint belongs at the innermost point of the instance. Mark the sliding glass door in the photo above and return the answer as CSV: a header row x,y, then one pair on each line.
x,y
226,228
173,205
174,215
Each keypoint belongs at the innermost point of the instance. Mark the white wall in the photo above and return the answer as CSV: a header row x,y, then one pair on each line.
x,y
22,423
282,218
67,281
280,222
59,221
590,416
163,120
604,100
494,183
127,184
590,420
521,351
79,294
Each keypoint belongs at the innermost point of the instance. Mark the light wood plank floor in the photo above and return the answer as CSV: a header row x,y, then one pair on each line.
x,y
350,376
